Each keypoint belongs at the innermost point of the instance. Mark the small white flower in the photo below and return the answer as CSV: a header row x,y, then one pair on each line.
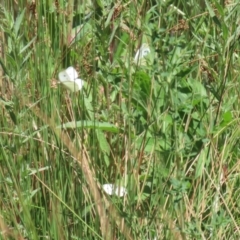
x,y
142,52
69,78
112,189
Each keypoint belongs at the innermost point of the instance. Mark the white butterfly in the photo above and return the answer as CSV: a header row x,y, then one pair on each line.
x,y
112,189
69,78
141,53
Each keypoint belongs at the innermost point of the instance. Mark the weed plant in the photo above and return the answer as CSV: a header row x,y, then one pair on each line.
x,y
165,127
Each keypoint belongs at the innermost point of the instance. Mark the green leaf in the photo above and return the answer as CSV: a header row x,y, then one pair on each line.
x,y
183,72
201,162
227,117
18,22
212,14
99,3
28,45
3,67
104,146
109,18
105,126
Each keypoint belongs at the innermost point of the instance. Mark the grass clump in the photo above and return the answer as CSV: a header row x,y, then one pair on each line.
x,y
157,116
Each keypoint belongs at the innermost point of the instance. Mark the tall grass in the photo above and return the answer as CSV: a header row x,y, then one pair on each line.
x,y
165,127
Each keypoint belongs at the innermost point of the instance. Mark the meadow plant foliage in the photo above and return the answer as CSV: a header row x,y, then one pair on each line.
x,y
119,119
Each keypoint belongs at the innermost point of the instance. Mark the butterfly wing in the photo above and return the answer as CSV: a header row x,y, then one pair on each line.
x,y
79,82
141,54
63,76
145,50
69,79
108,188
72,73
120,191
112,189
73,86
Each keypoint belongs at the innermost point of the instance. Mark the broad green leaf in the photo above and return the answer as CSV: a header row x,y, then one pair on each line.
x,y
104,146
227,117
201,161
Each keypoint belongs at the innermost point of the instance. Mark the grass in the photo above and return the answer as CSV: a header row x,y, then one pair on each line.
x,y
165,127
